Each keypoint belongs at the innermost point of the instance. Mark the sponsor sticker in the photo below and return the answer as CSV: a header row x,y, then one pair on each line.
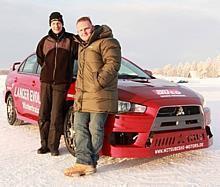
x,y
27,94
178,148
30,107
30,98
169,93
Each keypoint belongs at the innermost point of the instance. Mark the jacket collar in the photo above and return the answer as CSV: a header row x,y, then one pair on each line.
x,y
56,37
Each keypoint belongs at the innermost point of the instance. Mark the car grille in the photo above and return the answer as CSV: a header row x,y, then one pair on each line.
x,y
178,110
178,117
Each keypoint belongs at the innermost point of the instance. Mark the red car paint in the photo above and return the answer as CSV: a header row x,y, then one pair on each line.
x,y
174,120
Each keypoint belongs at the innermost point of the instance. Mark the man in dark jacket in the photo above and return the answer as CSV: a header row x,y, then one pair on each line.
x,y
99,60
55,54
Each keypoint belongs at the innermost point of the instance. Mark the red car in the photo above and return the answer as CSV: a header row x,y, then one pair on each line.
x,y
155,118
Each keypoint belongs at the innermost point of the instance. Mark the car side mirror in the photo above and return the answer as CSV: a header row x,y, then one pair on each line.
x,y
148,72
14,66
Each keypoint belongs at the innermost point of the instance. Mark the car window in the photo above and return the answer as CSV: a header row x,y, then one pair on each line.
x,y
128,68
38,69
29,65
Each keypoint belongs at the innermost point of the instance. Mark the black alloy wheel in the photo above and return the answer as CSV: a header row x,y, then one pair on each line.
x,y
69,133
11,112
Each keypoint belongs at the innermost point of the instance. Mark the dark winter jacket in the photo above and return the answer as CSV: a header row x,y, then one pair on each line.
x,y
56,54
98,65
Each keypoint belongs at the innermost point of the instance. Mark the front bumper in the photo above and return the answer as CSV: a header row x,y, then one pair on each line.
x,y
160,144
132,136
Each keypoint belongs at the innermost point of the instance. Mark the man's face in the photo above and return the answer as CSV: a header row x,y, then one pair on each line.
x,y
84,29
56,26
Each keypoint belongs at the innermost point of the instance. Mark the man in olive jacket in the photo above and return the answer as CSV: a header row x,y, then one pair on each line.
x,y
55,54
99,60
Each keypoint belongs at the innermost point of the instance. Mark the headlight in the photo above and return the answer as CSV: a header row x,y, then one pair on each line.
x,y
124,106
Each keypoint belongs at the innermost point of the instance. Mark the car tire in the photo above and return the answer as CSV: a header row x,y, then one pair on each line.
x,y
11,112
69,133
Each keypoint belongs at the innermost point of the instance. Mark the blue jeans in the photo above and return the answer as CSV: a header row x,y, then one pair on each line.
x,y
89,135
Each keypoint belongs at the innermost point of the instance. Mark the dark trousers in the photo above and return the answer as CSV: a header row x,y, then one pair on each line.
x,y
51,114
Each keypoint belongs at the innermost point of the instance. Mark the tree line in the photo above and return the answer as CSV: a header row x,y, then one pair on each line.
x,y
4,72
207,68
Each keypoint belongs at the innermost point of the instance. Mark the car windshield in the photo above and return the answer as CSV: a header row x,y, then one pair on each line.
x,y
130,71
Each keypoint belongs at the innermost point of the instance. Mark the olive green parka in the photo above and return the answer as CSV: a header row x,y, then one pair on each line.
x,y
99,61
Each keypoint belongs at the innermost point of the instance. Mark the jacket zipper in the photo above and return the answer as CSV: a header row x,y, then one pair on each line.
x,y
82,69
55,66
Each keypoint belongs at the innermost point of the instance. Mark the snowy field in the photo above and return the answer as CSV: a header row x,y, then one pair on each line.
x,y
20,165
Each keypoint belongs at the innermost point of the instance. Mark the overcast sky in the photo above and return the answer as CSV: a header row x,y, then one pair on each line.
x,y
151,33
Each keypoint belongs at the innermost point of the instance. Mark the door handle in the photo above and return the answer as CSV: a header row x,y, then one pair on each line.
x,y
16,79
33,83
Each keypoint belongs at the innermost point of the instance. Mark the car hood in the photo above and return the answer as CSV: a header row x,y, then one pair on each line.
x,y
140,91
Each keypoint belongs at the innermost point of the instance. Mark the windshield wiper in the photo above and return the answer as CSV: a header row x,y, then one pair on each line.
x,y
127,76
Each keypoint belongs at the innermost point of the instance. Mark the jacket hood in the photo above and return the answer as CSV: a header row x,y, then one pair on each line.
x,y
103,31
100,32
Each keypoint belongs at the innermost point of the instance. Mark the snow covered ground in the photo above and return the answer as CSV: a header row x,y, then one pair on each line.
x,y
20,165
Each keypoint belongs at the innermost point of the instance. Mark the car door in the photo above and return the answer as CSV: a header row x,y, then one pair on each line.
x,y
27,87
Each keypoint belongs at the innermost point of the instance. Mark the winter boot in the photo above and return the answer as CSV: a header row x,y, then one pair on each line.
x,y
43,150
54,152
79,170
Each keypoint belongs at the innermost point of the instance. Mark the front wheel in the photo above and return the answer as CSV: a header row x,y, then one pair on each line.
x,y
69,133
